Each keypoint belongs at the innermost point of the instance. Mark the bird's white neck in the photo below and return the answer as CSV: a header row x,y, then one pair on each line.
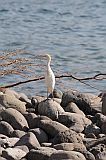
x,y
48,64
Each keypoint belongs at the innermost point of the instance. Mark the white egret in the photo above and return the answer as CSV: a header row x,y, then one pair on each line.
x,y
49,76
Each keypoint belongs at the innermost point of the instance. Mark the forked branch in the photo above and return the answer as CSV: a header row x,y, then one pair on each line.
x,y
99,76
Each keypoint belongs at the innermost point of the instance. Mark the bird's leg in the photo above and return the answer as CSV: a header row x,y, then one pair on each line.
x,y
47,95
52,96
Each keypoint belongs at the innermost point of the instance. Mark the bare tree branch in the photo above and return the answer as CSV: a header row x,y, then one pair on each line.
x,y
11,63
95,77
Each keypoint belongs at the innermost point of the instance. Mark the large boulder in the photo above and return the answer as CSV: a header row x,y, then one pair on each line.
x,y
9,100
6,128
13,153
36,120
51,127
73,108
40,134
50,109
75,121
71,155
14,118
80,99
42,153
68,136
30,119
29,140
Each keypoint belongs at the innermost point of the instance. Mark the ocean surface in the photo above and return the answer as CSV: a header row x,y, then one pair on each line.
x,y
72,31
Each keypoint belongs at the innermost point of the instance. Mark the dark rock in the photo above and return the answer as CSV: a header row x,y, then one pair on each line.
x,y
68,136
98,150
30,119
13,153
75,121
6,128
39,154
73,108
95,142
71,155
2,108
50,109
80,99
41,117
37,120
104,103
1,150
87,141
15,119
88,155
103,128
56,94
100,119
92,118
40,135
35,101
91,135
51,127
29,140
92,129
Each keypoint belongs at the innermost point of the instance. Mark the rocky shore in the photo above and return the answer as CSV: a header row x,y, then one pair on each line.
x,y
69,126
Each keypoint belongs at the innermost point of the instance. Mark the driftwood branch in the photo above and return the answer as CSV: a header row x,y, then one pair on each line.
x,y
14,63
99,76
